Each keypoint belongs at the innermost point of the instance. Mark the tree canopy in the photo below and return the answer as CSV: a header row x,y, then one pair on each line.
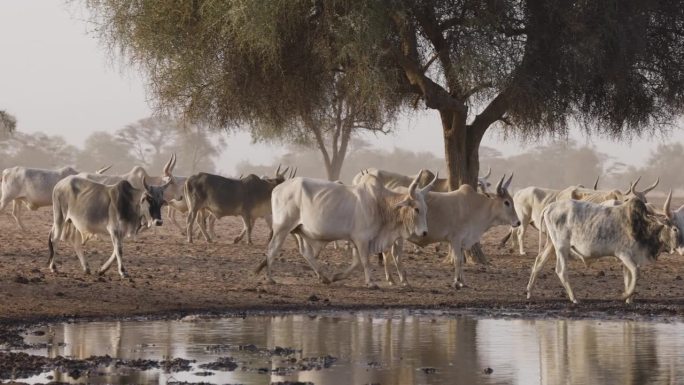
x,y
532,66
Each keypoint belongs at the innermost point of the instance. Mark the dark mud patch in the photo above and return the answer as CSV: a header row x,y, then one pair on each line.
x,y
24,365
226,364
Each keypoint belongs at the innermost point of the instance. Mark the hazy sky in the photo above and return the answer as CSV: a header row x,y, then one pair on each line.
x,y
56,78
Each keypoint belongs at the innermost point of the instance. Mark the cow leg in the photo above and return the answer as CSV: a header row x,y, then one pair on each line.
x,y
190,221
355,264
78,247
311,250
118,244
202,224
363,257
562,271
107,263
388,256
521,235
246,229
633,270
171,213
395,256
537,267
51,250
211,218
16,214
269,222
273,250
456,255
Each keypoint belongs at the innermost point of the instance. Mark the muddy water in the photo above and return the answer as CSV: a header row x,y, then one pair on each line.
x,y
377,348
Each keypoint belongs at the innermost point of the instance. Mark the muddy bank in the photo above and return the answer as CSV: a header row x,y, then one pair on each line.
x,y
170,278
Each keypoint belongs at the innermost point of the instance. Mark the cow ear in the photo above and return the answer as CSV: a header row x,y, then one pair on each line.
x,y
145,185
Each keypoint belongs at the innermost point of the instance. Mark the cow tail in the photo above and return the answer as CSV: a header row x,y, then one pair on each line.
x,y
541,229
51,248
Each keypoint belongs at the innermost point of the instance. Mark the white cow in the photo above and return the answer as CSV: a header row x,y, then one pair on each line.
x,y
371,216
83,208
393,180
31,187
459,218
630,232
530,201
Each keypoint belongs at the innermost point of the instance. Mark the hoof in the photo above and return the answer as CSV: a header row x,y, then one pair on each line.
x,y
336,277
101,272
237,240
457,285
372,286
529,295
123,274
324,280
87,271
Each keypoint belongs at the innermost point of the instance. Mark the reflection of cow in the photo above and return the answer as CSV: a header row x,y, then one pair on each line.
x,y
249,197
371,216
629,232
83,208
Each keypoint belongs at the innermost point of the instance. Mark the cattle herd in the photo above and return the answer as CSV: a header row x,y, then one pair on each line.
x,y
375,215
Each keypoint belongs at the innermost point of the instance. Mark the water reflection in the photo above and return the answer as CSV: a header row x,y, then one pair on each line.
x,y
388,348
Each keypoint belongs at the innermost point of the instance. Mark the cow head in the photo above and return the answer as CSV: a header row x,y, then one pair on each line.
x,y
175,186
671,234
151,202
413,209
483,182
503,204
640,195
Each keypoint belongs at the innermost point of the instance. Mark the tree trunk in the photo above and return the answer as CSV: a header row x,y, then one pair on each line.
x,y
461,150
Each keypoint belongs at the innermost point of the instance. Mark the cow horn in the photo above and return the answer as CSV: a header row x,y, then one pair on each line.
x,y
430,185
651,187
508,182
103,169
498,185
294,173
488,174
284,171
174,163
596,183
414,185
167,167
278,169
666,207
632,188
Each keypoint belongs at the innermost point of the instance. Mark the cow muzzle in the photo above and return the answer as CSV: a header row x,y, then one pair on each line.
x,y
157,222
424,234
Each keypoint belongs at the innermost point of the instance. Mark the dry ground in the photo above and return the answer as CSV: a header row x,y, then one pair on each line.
x,y
167,275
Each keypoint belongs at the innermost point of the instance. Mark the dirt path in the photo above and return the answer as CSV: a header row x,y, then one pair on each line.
x,y
169,275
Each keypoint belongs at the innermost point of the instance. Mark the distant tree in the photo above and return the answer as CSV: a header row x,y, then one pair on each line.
x,y
8,124
103,149
196,148
39,150
664,162
147,139
151,141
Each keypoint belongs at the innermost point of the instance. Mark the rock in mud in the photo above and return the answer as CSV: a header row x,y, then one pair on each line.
x,y
176,365
226,364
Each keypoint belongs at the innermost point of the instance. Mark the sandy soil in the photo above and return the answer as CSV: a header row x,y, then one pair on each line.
x,y
167,275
